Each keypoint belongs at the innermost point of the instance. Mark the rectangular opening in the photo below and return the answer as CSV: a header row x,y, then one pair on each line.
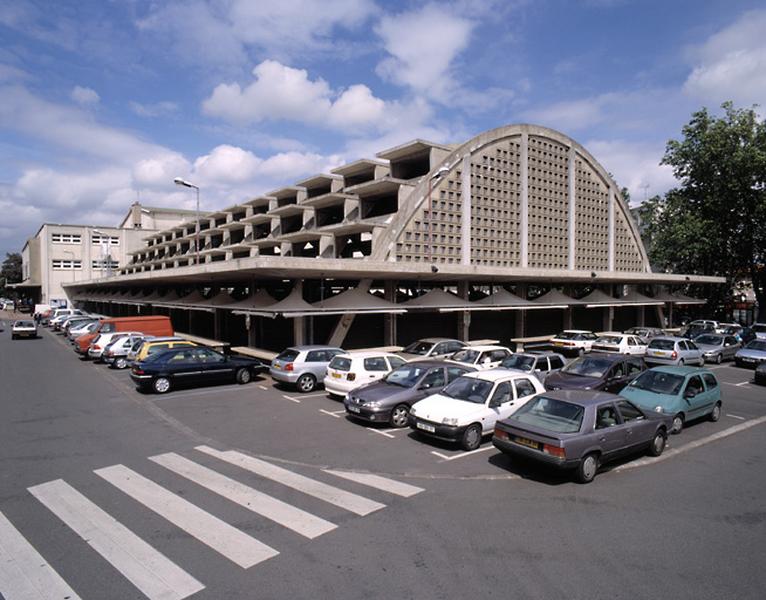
x,y
219,222
291,224
238,216
241,254
269,251
261,209
287,200
216,241
329,215
319,190
261,231
218,257
357,178
236,236
411,167
203,225
306,249
357,245
376,206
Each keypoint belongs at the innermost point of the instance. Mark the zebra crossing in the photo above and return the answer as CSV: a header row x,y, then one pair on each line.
x,y
26,575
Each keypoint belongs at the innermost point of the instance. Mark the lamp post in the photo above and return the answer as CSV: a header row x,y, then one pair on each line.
x,y
442,170
183,182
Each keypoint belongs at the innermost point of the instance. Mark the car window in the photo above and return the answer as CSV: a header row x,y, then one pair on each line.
x,y
340,363
710,381
692,346
288,355
550,414
441,348
206,355
556,362
498,355
606,416
315,356
632,342
435,378
454,346
154,348
618,370
524,387
694,385
635,366
730,340
454,372
661,344
502,393
396,362
377,363
629,412
181,356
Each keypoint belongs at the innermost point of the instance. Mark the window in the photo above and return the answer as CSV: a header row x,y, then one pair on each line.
x,y
66,265
435,378
498,355
454,372
206,355
377,363
454,346
104,264
618,370
629,412
396,362
441,348
729,341
524,388
556,362
694,385
692,346
317,356
66,238
635,365
502,393
182,356
606,416
632,342
710,381
96,238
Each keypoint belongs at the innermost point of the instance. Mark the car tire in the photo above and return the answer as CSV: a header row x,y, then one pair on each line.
x,y
120,363
306,383
399,416
588,467
243,376
161,385
13,337
471,439
658,443
719,359
681,363
715,414
678,424
580,352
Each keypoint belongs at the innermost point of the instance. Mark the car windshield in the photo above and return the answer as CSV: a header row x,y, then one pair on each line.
x,y
550,414
757,345
405,376
288,355
24,324
519,361
710,340
568,335
421,348
662,344
609,339
340,363
588,366
758,328
466,356
107,328
658,382
468,389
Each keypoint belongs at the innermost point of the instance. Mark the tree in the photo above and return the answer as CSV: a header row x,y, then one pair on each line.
x,y
714,222
10,272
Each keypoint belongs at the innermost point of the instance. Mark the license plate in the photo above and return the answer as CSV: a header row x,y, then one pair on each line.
x,y
426,427
527,443
336,375
354,409
558,343
277,367
751,360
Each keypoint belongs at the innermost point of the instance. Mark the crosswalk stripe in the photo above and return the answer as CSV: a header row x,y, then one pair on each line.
x,y
24,574
229,541
376,481
352,502
150,571
280,512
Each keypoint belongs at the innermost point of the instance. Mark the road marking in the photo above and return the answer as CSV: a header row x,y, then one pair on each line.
x,y
263,387
388,435
378,482
332,414
291,398
212,390
736,417
232,543
691,446
24,573
462,454
280,512
352,502
146,568
737,384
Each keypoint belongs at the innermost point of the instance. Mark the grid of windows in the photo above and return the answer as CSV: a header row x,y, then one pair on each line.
x,y
104,264
66,265
66,238
592,198
105,239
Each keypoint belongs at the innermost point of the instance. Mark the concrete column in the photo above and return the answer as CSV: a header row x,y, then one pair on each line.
x,y
465,222
610,260
390,320
608,314
189,321
218,324
670,314
521,315
250,324
571,176
299,330
464,317
524,241
641,316
568,318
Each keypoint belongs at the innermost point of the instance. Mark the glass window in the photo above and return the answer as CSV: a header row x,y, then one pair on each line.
x,y
455,372
181,356
340,363
288,355
469,389
502,393
606,416
315,356
618,370
207,356
658,382
377,363
710,381
498,355
556,362
405,376
519,361
550,414
524,387
588,366
632,342
730,340
692,346
434,379
694,385
466,356
155,348
629,412
441,348
418,347
661,344
455,346
635,365
396,362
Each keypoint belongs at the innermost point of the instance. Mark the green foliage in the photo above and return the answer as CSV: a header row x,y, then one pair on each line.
x,y
10,271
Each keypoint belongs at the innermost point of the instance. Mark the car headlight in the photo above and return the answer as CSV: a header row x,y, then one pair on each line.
x,y
658,409
372,403
449,421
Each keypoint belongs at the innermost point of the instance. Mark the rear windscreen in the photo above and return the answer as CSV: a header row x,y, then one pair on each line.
x,y
288,355
340,363
662,344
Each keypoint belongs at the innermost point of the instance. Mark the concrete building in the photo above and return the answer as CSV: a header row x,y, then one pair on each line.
x,y
516,232
61,254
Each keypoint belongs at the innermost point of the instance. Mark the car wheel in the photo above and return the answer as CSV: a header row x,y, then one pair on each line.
x,y
715,414
306,383
161,385
658,443
678,423
13,337
587,469
399,415
120,363
718,359
471,437
581,351
702,362
243,376
681,362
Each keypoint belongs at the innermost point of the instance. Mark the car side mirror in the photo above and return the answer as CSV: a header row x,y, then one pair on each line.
x,y
425,386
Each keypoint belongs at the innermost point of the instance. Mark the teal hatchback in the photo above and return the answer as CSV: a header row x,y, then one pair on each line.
x,y
686,393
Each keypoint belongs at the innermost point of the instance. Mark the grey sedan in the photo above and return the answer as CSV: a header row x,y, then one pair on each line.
x,y
673,351
389,400
431,348
580,430
752,355
303,366
717,347
540,364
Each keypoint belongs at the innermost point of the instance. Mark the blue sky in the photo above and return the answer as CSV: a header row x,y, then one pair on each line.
x,y
102,102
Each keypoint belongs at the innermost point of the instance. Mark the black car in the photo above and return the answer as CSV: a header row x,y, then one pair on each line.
x,y
602,371
190,366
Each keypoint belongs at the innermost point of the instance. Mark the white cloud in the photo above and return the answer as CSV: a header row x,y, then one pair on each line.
x,y
731,64
84,96
423,45
159,171
157,109
11,73
227,164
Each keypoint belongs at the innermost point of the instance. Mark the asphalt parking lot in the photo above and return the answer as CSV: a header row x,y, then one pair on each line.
x,y
443,523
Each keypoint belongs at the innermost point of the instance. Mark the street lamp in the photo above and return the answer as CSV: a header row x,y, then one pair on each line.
x,y
183,182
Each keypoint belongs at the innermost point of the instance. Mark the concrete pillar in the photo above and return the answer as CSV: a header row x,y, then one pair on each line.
x,y
568,318
344,323
250,324
189,321
464,317
299,330
521,315
641,316
217,324
389,320
608,314
670,315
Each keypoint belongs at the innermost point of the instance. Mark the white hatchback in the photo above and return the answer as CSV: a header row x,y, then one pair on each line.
x,y
481,357
620,343
348,371
578,341
468,408
102,340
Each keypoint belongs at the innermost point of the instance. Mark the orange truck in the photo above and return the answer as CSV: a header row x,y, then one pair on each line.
x,y
157,325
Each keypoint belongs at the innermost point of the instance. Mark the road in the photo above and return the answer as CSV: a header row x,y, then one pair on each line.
x,y
259,492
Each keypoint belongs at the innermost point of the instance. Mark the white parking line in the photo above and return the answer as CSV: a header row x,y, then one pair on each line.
x,y
291,398
736,417
263,387
388,435
462,454
737,384
332,414
305,396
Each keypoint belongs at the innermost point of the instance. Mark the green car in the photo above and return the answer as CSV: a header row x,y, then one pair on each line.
x,y
686,393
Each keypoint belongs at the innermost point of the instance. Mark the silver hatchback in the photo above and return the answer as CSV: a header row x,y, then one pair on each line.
x,y
303,366
673,351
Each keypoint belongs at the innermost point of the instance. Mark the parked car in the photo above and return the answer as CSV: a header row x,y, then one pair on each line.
x,y
621,343
71,322
752,355
116,353
348,371
602,371
158,325
82,328
574,341
154,344
102,341
388,400
760,374
683,393
468,408
23,329
481,357
191,366
645,333
539,364
759,329
303,366
707,324
431,348
673,351
61,314
743,334
580,431
717,347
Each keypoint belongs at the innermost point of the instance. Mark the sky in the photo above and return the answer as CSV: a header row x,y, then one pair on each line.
x,y
106,102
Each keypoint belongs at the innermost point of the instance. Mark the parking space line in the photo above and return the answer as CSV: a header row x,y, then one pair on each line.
x,y
462,454
736,417
263,387
381,432
291,398
737,384
376,481
327,412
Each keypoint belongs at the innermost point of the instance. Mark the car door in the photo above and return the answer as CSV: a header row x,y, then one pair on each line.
x,y
730,346
694,352
694,397
638,430
183,367
432,383
524,390
499,406
439,350
316,363
609,430
616,378
213,367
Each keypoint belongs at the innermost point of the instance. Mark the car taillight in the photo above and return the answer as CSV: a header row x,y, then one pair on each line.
x,y
289,367
351,376
500,434
554,451
96,347
674,355
138,371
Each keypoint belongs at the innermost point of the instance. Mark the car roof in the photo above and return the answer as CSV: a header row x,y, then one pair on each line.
x,y
436,362
436,340
610,356
483,348
366,354
496,374
167,338
538,353
305,347
582,397
576,331
683,371
670,337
